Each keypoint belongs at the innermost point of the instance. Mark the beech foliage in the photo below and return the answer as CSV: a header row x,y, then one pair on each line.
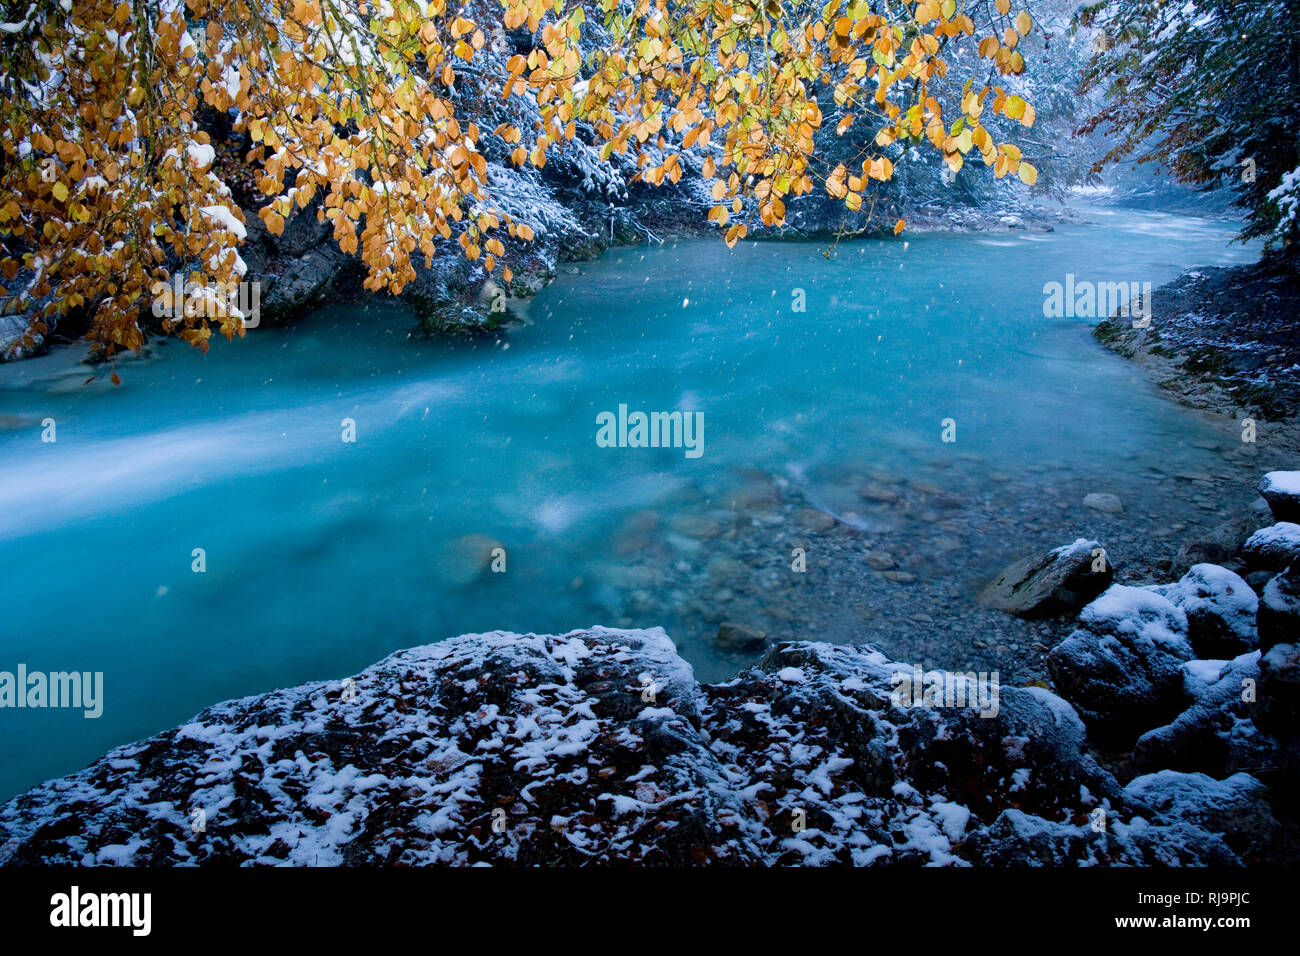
x,y
111,185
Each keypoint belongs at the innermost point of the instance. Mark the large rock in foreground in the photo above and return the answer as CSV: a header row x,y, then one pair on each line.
x,y
1216,734
413,762
598,747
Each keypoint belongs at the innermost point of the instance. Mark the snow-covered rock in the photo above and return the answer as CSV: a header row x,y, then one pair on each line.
x,y
1279,691
1240,808
1274,547
1019,839
580,748
880,783
1058,582
1220,608
599,747
1281,489
1216,734
1122,667
1278,620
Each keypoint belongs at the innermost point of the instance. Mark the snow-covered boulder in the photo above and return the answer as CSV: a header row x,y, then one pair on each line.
x,y
1170,819
1122,667
1281,489
1216,734
1278,620
1279,690
1240,808
1058,582
1274,547
816,733
1017,839
1220,608
501,748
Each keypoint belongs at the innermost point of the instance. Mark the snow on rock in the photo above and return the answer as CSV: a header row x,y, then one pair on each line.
x,y
1216,734
1278,620
598,747
413,762
1274,547
1220,609
1122,667
1019,839
1281,489
1060,581
1279,691
1240,808
840,774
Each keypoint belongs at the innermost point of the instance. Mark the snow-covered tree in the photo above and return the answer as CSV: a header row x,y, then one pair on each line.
x,y
1209,89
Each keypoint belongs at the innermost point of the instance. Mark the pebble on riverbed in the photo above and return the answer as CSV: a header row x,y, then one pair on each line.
x,y
1106,503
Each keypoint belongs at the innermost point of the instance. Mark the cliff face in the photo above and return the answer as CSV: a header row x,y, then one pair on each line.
x,y
598,747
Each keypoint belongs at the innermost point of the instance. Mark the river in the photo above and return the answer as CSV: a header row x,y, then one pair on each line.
x,y
320,555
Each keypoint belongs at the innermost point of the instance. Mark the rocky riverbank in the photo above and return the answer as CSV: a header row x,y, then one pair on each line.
x,y
1169,737
907,555
1226,341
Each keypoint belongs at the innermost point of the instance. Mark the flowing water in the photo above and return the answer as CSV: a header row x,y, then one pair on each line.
x,y
322,555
